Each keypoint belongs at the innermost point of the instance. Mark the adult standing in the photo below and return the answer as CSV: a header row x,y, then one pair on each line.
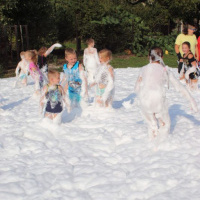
x,y
187,36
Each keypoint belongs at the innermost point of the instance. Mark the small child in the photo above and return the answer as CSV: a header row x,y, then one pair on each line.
x,y
22,70
31,57
104,80
90,60
43,52
75,83
189,67
150,89
52,97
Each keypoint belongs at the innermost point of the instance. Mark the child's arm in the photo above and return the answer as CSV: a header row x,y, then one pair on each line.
x,y
110,85
97,57
138,82
17,69
180,88
66,100
191,69
49,50
84,81
43,99
84,58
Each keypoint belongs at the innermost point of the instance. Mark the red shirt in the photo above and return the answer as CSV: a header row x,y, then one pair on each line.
x,y
198,45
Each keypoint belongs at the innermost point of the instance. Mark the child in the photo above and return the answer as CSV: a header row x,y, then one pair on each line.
x,y
189,69
104,80
75,83
90,60
53,97
150,89
31,57
22,70
43,52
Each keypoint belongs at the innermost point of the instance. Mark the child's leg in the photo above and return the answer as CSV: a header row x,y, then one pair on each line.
x,y
49,115
164,122
152,124
194,84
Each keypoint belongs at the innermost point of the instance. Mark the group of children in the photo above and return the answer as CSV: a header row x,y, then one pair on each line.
x,y
70,87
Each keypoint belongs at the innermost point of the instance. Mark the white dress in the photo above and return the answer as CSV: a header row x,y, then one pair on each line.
x,y
91,62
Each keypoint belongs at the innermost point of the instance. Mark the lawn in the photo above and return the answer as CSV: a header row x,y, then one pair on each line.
x,y
118,61
123,61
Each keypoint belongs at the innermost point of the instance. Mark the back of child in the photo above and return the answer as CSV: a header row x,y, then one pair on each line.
x,y
90,60
31,57
22,69
150,89
104,80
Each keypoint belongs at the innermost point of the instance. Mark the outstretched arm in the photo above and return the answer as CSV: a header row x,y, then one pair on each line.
x,y
180,88
17,69
49,50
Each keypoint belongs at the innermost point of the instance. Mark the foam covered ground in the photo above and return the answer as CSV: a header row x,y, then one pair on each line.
x,y
96,154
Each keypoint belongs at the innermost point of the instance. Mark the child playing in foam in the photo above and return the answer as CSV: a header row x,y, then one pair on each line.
x,y
31,57
90,60
150,89
52,98
22,70
189,69
43,52
104,80
75,83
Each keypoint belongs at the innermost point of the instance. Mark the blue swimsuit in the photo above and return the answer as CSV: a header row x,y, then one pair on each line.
x,y
74,82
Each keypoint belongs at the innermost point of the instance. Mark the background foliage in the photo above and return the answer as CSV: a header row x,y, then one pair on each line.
x,y
114,24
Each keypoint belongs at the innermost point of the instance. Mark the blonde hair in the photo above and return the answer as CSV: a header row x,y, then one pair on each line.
x,y
52,73
69,51
33,55
89,41
22,54
105,53
42,50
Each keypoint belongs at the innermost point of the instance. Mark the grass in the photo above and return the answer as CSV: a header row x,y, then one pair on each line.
x,y
123,61
118,61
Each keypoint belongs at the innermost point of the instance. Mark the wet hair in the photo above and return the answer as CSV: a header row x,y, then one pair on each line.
x,y
33,55
42,50
69,51
89,41
105,53
22,54
155,51
186,43
52,73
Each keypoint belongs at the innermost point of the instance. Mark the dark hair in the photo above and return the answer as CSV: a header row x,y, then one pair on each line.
x,y
186,43
158,51
186,27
